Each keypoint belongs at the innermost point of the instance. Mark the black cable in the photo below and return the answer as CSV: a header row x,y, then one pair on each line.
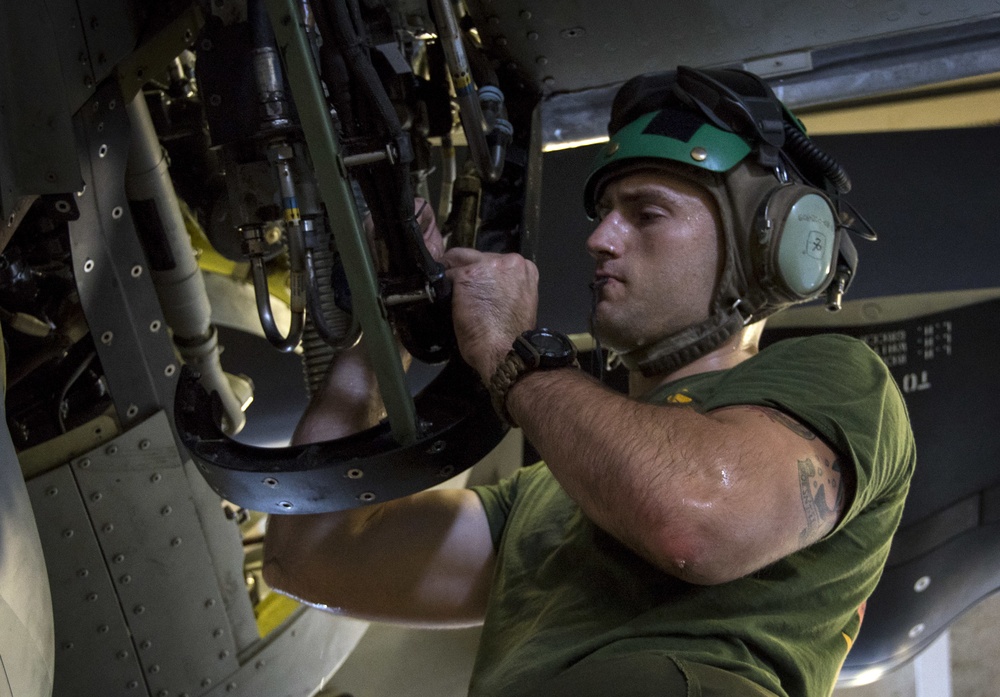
x,y
801,148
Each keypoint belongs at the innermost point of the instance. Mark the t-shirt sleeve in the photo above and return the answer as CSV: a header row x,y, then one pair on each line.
x,y
497,501
840,388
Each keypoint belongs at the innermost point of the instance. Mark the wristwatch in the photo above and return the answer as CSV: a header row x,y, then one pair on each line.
x,y
535,349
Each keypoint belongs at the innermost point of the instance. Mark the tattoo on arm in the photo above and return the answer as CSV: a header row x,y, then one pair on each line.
x,y
780,417
817,485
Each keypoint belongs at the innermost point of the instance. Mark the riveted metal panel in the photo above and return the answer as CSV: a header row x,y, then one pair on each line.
x,y
36,133
94,652
297,659
568,45
140,502
112,277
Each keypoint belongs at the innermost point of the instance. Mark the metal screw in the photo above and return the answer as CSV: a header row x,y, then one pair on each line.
x,y
144,444
125,579
111,449
155,325
62,206
155,478
437,447
286,504
136,271
922,583
367,497
271,481
88,266
107,337
102,151
132,411
170,370
355,473
51,491
117,212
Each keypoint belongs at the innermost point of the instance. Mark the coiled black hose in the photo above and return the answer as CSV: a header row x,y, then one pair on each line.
x,y
808,156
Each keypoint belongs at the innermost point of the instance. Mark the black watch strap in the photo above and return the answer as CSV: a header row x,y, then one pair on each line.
x,y
513,367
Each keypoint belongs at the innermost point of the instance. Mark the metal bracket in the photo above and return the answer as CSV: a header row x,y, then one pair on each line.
x,y
459,429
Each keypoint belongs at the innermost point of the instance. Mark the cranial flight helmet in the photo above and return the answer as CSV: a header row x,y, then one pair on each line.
x,y
784,238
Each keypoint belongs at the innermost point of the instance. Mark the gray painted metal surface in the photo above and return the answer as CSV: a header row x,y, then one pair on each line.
x,y
148,588
26,624
112,276
567,46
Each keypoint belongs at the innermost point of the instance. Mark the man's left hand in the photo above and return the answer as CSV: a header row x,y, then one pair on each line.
x,y
494,299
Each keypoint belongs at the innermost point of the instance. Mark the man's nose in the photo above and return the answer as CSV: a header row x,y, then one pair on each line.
x,y
605,240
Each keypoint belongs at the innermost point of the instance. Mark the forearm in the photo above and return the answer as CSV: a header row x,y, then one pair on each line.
x,y
654,477
423,559
348,402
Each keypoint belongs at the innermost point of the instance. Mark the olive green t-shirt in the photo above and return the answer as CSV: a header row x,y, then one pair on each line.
x,y
565,590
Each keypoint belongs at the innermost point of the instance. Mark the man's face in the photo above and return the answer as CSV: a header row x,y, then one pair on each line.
x,y
657,249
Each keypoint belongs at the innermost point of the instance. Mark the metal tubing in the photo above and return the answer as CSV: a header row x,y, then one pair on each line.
x,y
344,220
179,285
473,121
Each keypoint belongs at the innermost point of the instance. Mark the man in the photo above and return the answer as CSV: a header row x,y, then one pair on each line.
x,y
715,532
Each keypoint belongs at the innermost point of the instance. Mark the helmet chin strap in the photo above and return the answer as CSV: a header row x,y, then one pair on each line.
x,y
674,351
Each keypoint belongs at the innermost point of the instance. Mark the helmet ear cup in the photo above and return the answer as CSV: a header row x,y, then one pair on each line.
x,y
798,238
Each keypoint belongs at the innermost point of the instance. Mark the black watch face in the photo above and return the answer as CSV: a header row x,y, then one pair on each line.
x,y
550,345
550,349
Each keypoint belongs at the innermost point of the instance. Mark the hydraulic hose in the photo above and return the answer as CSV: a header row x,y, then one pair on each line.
x,y
177,279
489,161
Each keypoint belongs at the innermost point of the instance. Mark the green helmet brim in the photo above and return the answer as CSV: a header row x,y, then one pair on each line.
x,y
708,148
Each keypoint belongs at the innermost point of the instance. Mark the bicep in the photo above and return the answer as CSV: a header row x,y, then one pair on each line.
x,y
423,559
